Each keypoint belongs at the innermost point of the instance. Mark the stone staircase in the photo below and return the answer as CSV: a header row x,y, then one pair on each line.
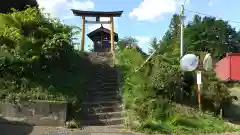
x,y
101,58
102,104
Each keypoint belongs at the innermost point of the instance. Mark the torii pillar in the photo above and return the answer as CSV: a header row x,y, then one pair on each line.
x,y
97,15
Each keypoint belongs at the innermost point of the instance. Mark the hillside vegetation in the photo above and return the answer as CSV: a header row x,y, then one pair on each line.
x,y
150,98
20,5
37,59
152,95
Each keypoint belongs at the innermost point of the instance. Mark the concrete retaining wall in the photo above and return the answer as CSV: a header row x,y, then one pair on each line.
x,y
40,113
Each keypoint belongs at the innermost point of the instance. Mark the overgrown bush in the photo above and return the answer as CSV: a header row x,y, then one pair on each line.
x,y
134,86
37,59
149,97
146,97
215,93
166,77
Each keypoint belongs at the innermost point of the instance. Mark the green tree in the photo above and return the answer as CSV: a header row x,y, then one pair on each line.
x,y
154,44
129,42
170,43
19,5
211,35
31,46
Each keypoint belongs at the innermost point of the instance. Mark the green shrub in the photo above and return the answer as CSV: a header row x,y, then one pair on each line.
x,y
166,77
149,97
37,59
215,94
142,101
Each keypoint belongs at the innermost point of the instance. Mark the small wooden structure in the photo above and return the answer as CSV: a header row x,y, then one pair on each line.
x,y
101,38
97,15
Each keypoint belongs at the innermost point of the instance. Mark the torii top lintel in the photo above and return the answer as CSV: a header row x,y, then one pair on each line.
x,y
97,13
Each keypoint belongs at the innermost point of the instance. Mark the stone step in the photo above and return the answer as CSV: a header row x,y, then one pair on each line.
x,y
102,89
104,77
102,97
102,109
99,54
97,85
94,87
101,103
105,68
103,116
107,84
108,93
107,81
99,59
109,71
106,122
102,62
106,99
105,71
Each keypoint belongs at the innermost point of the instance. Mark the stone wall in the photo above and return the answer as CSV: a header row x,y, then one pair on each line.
x,y
39,113
101,58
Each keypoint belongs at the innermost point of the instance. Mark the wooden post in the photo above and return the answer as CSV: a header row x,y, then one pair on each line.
x,y
112,36
199,82
199,96
83,33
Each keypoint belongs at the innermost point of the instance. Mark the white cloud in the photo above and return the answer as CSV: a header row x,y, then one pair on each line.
x,y
92,27
149,10
210,3
62,8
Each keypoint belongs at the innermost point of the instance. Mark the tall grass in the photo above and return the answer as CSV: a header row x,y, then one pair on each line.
x,y
148,97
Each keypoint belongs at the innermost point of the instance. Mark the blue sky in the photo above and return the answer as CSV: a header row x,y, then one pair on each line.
x,y
142,19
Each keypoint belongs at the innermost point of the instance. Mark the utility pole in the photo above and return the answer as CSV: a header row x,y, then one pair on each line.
x,y
182,17
182,47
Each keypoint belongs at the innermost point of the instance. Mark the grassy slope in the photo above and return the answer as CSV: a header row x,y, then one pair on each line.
x,y
183,120
189,121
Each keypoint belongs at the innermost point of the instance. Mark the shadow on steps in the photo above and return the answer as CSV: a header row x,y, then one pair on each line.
x,y
102,103
8,127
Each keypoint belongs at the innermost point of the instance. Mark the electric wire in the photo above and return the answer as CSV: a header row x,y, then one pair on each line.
x,y
200,13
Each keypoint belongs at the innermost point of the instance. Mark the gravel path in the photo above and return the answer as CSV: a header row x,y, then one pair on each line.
x,y
7,129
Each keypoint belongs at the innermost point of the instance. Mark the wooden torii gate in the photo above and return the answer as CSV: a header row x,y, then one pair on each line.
x,y
97,15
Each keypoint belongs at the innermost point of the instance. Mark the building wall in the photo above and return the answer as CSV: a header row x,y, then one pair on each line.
x,y
235,67
222,69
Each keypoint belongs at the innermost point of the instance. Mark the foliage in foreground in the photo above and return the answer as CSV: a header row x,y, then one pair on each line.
x,y
150,97
182,124
37,58
151,94
6,6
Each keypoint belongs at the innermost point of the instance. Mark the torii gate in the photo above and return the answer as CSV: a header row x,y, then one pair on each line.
x,y
97,14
